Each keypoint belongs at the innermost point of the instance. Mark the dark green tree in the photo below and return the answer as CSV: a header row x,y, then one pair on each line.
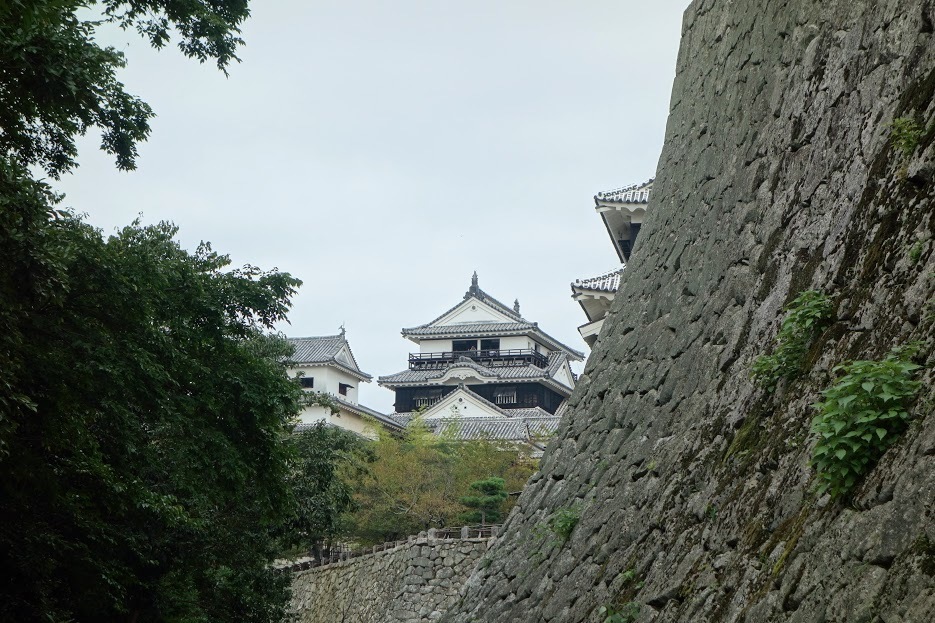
x,y
142,398
143,471
327,460
487,504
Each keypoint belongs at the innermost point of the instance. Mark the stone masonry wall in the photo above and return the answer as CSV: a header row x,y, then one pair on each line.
x,y
691,485
416,581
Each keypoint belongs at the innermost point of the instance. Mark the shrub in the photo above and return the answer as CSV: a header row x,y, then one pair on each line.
x,y
564,520
861,416
804,316
905,133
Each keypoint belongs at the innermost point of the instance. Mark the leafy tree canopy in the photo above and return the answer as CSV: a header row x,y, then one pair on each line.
x,y
56,82
143,473
142,399
417,482
328,460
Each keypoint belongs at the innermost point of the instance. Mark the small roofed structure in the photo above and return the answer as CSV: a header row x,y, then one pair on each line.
x,y
326,365
623,211
595,296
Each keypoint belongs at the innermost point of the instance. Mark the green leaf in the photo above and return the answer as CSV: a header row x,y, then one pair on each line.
x,y
846,400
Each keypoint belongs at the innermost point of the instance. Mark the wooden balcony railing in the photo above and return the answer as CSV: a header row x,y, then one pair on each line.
x,y
511,357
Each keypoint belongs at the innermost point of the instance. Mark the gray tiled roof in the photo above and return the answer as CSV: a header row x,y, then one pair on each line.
x,y
527,372
635,193
362,410
320,349
471,328
608,282
502,428
532,426
324,349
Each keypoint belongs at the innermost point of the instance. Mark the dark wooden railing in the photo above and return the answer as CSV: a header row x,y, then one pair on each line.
x,y
510,357
434,534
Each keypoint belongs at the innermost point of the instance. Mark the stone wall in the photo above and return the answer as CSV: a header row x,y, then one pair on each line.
x,y
416,581
692,484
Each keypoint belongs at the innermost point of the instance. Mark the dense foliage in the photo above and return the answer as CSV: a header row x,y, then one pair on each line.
x,y
143,472
142,400
417,481
862,415
328,460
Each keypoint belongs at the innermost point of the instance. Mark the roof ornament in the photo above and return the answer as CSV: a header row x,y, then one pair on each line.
x,y
342,329
474,290
516,306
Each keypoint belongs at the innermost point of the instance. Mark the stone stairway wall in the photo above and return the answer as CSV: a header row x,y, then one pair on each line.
x,y
418,580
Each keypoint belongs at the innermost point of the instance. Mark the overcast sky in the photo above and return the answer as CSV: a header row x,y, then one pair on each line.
x,y
383,151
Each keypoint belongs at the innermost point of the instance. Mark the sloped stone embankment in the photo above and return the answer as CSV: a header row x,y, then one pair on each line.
x,y
692,485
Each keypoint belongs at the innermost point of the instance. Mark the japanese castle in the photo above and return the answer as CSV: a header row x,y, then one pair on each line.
x,y
484,370
622,211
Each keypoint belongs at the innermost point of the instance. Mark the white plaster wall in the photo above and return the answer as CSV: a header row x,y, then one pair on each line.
x,y
473,311
511,342
343,419
327,380
434,346
459,404
506,343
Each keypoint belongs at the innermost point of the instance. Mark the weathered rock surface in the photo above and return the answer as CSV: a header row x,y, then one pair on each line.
x,y
693,487
416,581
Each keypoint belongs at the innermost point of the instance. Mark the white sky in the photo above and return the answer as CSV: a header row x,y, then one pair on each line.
x,y
383,151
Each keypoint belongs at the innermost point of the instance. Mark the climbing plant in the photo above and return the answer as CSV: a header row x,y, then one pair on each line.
x,y
861,416
804,316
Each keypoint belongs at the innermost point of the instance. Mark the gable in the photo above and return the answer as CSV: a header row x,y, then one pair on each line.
x,y
461,403
471,310
345,357
565,377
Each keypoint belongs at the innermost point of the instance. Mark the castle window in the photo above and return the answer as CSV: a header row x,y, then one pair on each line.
x,y
463,345
427,397
307,382
491,344
504,396
343,387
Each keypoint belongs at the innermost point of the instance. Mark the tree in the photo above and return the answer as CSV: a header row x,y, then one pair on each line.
x,y
56,82
143,469
327,460
487,504
417,480
142,403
